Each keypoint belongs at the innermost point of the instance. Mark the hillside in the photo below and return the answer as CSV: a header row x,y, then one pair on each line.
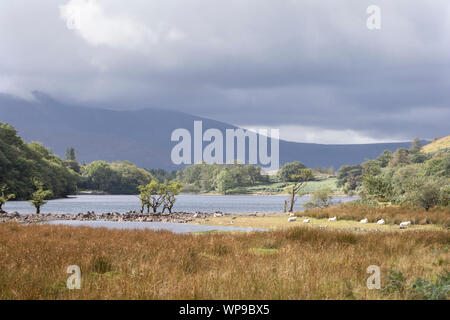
x,y
438,144
143,136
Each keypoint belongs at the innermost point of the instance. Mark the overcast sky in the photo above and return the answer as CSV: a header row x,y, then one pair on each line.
x,y
311,68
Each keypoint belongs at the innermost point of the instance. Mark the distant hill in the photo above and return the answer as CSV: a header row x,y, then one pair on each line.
x,y
438,144
143,136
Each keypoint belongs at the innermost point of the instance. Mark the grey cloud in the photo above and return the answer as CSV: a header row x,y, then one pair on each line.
x,y
264,62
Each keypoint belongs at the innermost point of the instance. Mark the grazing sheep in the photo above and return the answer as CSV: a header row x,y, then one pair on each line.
x,y
380,222
364,220
405,224
196,215
292,219
332,219
306,221
216,215
292,215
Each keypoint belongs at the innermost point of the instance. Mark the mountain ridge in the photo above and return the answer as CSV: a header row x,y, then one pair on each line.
x,y
142,136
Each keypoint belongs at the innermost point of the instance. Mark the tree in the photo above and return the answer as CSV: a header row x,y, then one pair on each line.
x,y
377,187
399,157
349,177
289,169
4,198
172,189
39,196
416,145
152,195
21,162
71,154
320,198
384,158
371,167
301,178
428,195
224,181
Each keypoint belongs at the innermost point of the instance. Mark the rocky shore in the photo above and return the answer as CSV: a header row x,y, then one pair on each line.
x,y
132,216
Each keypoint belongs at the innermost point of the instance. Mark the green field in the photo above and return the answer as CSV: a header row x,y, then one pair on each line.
x,y
278,187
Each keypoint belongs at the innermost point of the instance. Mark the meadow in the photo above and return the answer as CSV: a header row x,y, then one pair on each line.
x,y
291,263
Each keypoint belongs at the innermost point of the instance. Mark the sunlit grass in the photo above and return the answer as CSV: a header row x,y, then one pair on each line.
x,y
295,263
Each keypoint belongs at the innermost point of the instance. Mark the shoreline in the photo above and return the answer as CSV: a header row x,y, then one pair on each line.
x,y
130,216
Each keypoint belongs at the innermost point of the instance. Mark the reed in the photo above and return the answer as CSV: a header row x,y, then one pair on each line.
x,y
297,263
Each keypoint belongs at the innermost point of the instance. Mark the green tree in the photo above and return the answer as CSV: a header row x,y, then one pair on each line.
x,y
349,177
301,177
377,187
290,169
416,145
39,196
320,198
172,189
399,157
224,181
21,162
5,197
152,195
384,158
71,154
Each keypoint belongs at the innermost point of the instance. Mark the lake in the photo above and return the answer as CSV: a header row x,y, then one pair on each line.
x,y
169,226
184,203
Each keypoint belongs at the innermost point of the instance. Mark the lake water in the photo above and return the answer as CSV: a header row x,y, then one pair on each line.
x,y
184,203
169,226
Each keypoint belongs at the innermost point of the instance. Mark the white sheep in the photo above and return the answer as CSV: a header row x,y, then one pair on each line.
x,y
405,224
306,221
332,219
195,215
381,221
292,219
364,220
292,215
216,215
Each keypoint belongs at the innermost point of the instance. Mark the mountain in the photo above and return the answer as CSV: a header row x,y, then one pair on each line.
x,y
143,136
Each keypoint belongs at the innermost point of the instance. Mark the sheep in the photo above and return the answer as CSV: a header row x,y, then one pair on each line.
x,y
306,221
216,215
364,220
291,215
195,215
380,222
405,224
332,219
292,219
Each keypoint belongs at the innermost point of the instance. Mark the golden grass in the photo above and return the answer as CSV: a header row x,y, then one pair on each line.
x,y
391,214
296,263
436,145
279,221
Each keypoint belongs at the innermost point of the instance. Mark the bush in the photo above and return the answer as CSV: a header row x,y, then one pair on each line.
x,y
320,199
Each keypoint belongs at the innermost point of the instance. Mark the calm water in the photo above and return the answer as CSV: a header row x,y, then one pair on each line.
x,y
186,203
173,227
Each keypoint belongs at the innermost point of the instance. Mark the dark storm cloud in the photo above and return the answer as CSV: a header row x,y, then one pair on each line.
x,y
254,63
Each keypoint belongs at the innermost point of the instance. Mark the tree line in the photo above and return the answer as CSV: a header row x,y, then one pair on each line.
x,y
406,176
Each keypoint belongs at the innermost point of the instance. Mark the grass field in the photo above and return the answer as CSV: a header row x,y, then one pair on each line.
x,y
279,221
294,263
278,187
439,144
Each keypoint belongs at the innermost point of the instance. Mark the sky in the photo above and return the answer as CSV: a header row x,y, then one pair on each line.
x,y
311,68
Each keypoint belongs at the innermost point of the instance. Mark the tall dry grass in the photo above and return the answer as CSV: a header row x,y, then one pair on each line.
x,y
299,263
391,214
